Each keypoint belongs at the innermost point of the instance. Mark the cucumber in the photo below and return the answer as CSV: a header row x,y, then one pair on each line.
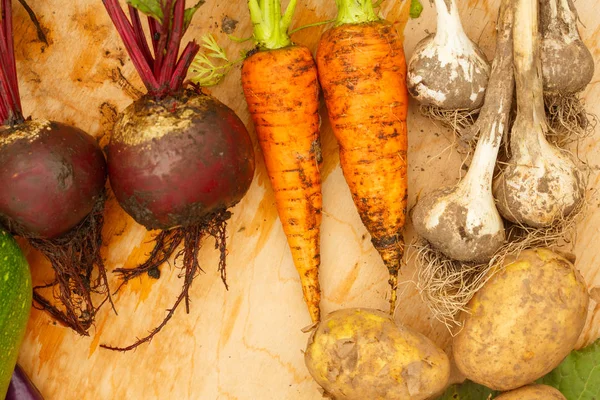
x,y
15,305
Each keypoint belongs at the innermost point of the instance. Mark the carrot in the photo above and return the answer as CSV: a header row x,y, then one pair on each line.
x,y
282,91
362,70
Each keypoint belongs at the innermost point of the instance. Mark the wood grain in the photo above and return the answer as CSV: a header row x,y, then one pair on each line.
x,y
245,343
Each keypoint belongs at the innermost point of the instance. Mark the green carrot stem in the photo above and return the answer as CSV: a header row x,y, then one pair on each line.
x,y
270,27
355,12
311,26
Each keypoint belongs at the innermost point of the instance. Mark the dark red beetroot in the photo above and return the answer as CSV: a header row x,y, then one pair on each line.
x,y
52,180
177,159
167,177
54,174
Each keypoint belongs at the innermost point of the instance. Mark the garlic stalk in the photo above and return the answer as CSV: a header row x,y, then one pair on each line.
x,y
462,221
540,184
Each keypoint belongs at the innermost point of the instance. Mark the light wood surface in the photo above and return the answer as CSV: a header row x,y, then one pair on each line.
x,y
245,343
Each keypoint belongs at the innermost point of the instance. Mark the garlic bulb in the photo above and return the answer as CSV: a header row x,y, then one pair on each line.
x,y
540,184
567,64
447,69
462,221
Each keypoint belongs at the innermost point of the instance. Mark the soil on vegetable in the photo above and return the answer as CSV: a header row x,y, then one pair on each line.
x,y
450,235
447,79
447,285
116,75
511,204
228,24
166,244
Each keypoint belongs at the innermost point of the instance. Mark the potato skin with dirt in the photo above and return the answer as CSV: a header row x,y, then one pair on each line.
x,y
523,322
358,354
533,392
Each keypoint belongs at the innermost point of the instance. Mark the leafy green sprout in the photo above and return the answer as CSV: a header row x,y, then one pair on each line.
x,y
213,64
206,67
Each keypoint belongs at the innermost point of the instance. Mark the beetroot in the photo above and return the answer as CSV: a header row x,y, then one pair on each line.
x,y
177,158
174,161
61,177
52,177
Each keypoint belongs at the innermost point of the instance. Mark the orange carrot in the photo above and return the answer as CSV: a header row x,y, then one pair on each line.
x,y
362,71
282,91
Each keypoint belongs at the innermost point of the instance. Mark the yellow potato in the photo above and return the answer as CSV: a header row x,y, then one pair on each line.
x,y
533,392
361,354
523,322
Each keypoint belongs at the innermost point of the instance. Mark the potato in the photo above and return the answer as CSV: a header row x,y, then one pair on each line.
x,y
533,392
360,354
523,322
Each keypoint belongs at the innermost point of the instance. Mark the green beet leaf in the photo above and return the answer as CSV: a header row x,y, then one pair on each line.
x,y
467,391
578,376
154,9
189,13
151,8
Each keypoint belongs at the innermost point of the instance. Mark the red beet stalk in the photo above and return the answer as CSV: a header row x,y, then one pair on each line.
x,y
52,177
10,104
178,159
162,73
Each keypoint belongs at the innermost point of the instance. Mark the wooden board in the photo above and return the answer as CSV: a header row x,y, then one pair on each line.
x,y
245,343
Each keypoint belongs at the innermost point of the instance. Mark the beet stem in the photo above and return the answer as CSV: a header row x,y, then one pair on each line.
x,y
164,73
173,45
153,24
187,57
11,104
4,106
163,30
128,36
9,112
8,33
139,32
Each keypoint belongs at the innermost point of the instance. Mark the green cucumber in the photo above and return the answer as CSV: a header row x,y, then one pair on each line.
x,y
15,305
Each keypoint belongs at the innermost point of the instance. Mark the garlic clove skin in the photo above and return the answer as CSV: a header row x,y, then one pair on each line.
x,y
461,223
560,60
447,69
567,64
540,184
451,81
538,188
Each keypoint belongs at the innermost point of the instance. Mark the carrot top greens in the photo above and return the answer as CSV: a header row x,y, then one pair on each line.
x,y
161,70
270,27
355,12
